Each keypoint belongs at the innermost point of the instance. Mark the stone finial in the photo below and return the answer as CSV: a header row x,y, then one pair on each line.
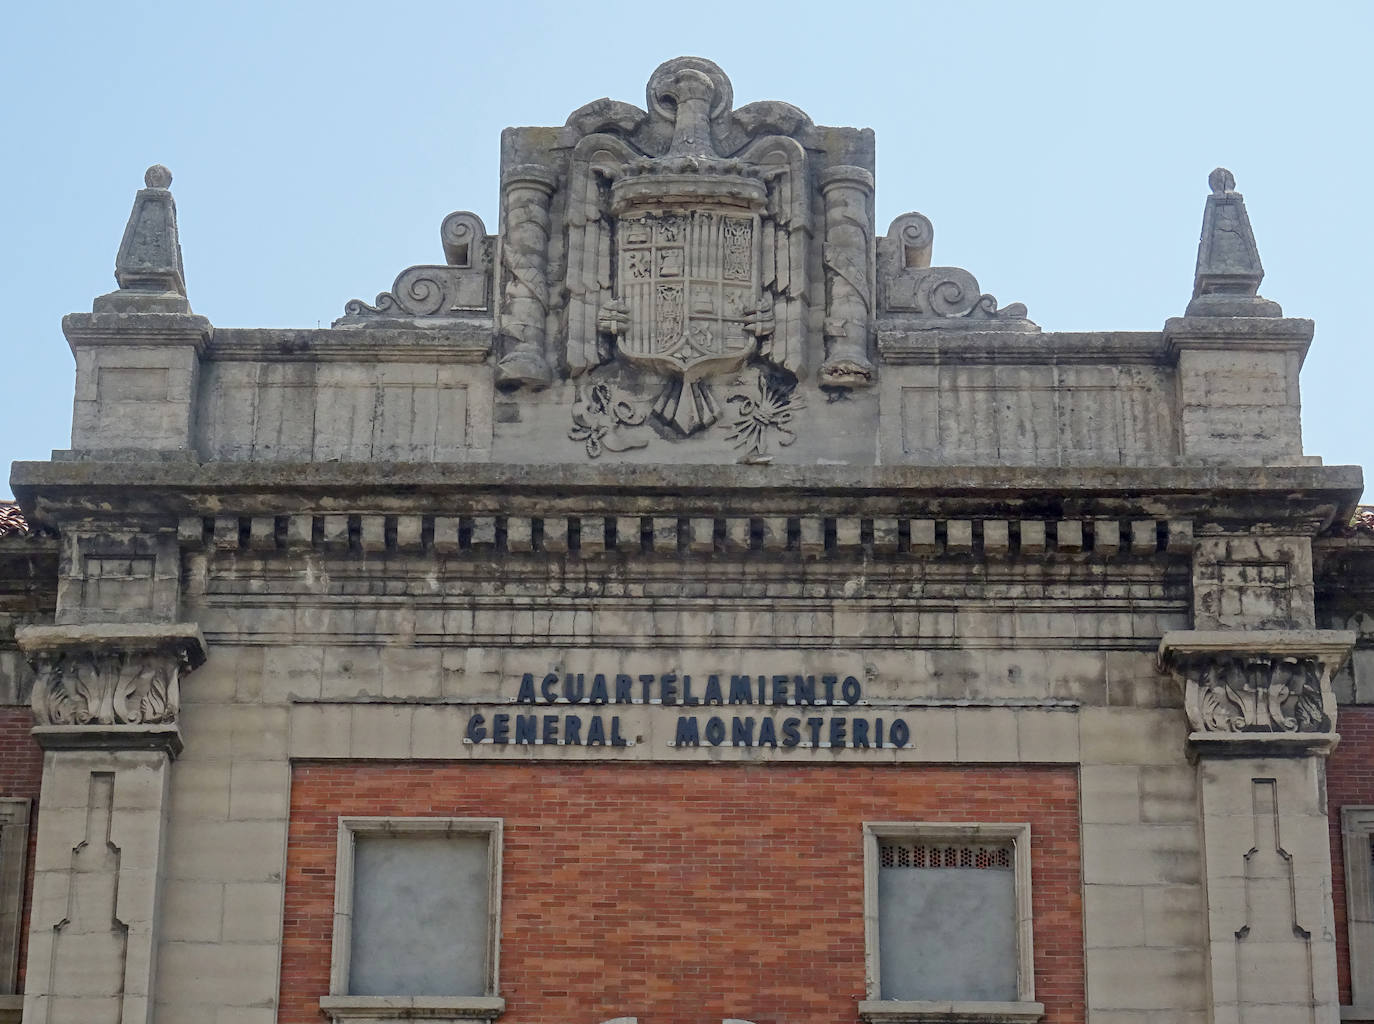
x,y
1228,275
148,266
157,176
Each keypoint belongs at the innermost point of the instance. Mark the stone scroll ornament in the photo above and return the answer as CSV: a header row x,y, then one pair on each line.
x,y
458,287
947,295
685,263
107,688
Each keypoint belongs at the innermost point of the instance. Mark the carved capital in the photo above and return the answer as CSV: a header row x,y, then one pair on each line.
x,y
113,686
1258,692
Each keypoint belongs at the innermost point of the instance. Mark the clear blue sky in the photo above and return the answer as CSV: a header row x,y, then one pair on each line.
x,y
1062,150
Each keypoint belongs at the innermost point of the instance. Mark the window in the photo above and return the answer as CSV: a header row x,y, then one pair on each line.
x,y
14,848
1357,831
947,921
416,920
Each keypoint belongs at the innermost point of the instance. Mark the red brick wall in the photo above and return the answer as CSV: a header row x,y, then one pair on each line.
x,y
1349,780
683,893
21,772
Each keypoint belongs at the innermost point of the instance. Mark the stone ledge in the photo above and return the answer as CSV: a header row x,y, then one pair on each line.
x,y
11,1008
1238,333
1331,646
170,637
903,344
375,1009
136,329
456,340
109,737
1262,744
894,1011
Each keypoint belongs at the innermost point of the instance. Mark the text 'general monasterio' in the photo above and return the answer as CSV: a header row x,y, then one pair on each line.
x,y
759,715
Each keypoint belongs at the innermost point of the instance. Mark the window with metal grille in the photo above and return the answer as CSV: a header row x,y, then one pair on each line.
x,y
949,913
924,855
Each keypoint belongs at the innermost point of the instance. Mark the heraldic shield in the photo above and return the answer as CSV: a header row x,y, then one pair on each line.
x,y
689,282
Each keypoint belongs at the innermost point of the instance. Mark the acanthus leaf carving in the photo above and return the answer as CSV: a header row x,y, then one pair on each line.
x,y
85,687
1257,685
109,678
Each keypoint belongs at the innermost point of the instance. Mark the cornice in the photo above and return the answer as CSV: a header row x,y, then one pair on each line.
x,y
1302,500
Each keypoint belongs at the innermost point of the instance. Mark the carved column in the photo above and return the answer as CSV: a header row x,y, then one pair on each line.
x,y
525,195
1263,717
105,703
848,258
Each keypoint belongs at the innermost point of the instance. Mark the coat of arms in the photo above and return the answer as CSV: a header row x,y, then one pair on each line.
x,y
688,264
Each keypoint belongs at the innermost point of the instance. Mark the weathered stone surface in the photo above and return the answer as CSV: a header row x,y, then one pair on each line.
x,y
687,422
1229,273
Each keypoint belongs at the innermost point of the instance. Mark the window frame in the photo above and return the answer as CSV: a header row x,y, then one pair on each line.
x,y
15,813
889,1011
1357,835
340,1004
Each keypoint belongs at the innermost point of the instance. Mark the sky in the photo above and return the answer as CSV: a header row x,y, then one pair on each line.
x,y
1061,150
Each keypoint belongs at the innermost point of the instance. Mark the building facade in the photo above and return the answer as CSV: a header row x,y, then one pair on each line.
x,y
686,604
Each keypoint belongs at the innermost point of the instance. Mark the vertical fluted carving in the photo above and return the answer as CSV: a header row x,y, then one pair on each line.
x,y
849,277
525,282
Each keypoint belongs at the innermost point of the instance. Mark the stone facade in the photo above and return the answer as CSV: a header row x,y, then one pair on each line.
x,y
690,544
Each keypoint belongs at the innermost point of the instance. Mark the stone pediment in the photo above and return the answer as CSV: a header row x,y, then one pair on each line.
x,y
686,267
688,281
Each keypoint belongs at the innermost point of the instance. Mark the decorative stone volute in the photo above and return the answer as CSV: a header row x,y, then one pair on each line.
x,y
433,293
936,297
1257,693
148,266
110,686
1228,275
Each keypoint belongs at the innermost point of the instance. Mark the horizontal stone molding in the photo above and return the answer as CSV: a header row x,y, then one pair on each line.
x,y
893,1011
1229,333
1288,500
915,344
1256,693
595,536
376,1009
136,329
166,738
465,340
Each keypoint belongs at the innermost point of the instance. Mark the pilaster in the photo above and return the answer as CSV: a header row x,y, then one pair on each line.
x,y
106,701
1262,716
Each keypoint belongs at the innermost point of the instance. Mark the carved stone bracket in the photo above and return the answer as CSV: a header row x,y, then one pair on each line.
x,y
461,287
926,296
114,686
1258,693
